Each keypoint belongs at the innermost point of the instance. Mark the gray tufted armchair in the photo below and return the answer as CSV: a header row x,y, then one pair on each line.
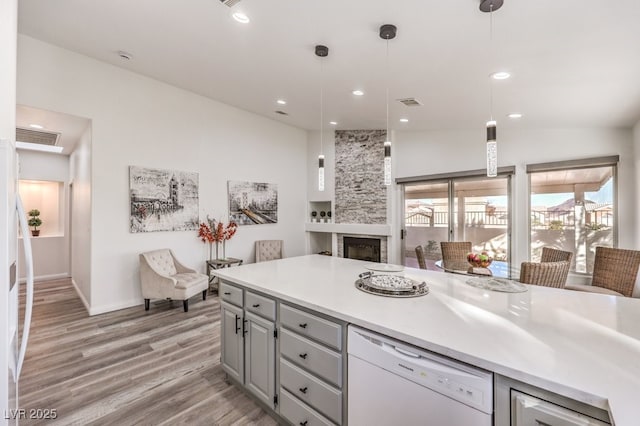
x,y
268,250
163,277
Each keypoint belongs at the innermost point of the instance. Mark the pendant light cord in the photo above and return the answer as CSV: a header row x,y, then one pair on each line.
x,y
491,58
321,106
388,137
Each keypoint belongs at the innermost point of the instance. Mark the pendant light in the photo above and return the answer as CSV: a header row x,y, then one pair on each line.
x,y
492,145
322,52
387,32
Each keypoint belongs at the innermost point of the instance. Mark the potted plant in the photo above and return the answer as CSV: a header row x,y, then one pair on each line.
x,y
322,215
313,215
35,221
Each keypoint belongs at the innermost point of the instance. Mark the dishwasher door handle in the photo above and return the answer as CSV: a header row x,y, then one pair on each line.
x,y
406,352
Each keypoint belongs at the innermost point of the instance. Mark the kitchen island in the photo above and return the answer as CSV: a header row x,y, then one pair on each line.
x,y
579,345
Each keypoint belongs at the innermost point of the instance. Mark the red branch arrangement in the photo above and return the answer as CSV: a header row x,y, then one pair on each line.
x,y
212,231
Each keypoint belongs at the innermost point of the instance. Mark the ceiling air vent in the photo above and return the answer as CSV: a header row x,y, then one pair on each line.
x,y
281,112
410,102
37,136
230,3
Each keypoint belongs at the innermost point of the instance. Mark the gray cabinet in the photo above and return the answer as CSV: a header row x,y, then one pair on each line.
x,y
312,366
232,350
260,367
248,351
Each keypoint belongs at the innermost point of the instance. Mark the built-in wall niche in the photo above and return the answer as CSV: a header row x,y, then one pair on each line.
x,y
320,243
48,197
320,207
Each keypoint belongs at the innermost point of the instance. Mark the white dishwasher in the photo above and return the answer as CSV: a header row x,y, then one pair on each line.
x,y
393,383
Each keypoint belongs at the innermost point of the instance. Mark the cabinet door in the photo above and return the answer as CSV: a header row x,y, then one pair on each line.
x,y
232,350
260,365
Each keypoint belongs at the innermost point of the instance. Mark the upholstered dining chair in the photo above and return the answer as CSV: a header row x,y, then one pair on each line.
x,y
162,276
614,272
554,255
269,250
548,274
454,254
422,263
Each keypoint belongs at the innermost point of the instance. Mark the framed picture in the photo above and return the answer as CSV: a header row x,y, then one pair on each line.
x,y
253,203
162,200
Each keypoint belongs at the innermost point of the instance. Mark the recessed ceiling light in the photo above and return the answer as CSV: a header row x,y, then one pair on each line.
x,y
500,75
515,115
404,120
281,102
241,17
333,123
125,55
358,92
36,126
39,147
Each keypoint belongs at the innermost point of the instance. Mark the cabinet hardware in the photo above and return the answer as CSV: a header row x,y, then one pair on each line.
x,y
257,305
303,390
237,326
303,356
245,330
304,423
228,293
303,325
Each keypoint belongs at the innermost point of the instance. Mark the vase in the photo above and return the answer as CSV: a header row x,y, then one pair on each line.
x,y
217,256
223,250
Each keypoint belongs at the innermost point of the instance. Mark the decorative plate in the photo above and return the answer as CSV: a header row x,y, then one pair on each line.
x,y
497,284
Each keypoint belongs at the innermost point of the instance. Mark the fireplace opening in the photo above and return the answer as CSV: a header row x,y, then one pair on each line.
x,y
362,248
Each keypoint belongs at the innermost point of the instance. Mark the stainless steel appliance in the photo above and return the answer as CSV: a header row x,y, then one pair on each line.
x,y
393,383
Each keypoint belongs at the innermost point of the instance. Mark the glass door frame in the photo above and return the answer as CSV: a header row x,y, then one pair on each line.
x,y
451,178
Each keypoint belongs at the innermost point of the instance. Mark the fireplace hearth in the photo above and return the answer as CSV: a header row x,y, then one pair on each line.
x,y
362,248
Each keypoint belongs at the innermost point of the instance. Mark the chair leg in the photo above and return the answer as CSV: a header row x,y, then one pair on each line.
x,y
146,304
204,294
185,303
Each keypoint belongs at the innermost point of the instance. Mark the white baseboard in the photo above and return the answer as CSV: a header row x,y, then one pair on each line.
x,y
81,296
97,310
46,277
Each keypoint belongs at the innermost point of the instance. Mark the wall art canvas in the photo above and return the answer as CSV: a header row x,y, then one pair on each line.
x,y
162,200
252,203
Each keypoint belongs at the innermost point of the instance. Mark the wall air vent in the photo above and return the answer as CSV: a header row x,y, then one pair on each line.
x,y
281,112
230,3
37,137
410,102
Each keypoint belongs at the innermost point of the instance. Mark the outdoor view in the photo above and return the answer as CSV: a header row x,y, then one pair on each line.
x,y
571,210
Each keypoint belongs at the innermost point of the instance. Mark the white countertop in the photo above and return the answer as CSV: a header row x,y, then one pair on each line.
x,y
581,345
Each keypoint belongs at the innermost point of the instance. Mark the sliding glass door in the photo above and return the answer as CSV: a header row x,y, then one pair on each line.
x,y
458,208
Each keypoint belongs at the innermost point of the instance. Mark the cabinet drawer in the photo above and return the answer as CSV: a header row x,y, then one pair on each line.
x,y
298,413
313,391
311,326
317,359
231,294
260,305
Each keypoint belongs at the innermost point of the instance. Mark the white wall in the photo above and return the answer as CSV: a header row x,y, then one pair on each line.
x,y
51,248
426,153
80,212
8,31
140,121
636,158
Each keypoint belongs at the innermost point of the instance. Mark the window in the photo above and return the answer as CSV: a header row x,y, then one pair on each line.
x,y
573,207
465,206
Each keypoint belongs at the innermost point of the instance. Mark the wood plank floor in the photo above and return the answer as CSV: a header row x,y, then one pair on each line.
x,y
129,367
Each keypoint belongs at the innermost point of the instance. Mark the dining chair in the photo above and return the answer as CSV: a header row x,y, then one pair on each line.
x,y
548,274
554,255
454,254
422,263
269,250
614,272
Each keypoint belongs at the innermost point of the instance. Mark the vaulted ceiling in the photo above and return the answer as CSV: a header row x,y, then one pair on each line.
x,y
574,63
